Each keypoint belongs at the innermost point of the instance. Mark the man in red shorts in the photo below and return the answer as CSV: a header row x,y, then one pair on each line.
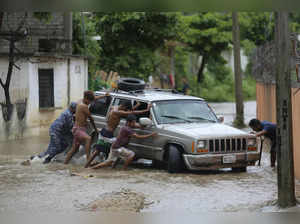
x,y
80,127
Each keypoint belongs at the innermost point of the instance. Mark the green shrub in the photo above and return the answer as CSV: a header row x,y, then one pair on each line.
x,y
221,91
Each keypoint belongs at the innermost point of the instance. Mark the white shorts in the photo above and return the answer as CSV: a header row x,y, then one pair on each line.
x,y
122,153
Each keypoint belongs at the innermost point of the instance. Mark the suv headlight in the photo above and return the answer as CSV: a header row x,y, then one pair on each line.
x,y
201,144
252,144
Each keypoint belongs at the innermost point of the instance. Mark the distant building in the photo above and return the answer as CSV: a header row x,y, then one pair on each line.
x,y
50,77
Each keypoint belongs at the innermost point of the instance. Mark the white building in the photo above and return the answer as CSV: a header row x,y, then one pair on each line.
x,y
47,80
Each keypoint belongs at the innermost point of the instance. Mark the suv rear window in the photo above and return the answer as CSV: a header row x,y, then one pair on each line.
x,y
100,106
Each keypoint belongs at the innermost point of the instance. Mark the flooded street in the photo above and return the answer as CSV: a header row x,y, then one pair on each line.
x,y
68,188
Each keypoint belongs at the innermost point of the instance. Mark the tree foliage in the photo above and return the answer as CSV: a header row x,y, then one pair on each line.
x,y
129,40
84,29
207,34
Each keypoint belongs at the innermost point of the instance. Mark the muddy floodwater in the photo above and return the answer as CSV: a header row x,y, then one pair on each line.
x,y
142,188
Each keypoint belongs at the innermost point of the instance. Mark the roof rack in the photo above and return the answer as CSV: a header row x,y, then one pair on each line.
x,y
165,90
133,92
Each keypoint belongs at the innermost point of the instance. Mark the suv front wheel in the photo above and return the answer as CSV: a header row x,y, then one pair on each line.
x,y
175,162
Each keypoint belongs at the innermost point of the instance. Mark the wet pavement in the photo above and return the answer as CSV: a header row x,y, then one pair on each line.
x,y
56,187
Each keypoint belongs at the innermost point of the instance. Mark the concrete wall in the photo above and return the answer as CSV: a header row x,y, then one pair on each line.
x,y
19,89
266,110
59,27
37,120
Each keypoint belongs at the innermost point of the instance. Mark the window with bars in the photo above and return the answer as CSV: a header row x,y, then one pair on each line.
x,y
46,88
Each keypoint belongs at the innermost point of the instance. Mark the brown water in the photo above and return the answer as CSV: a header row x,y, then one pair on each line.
x,y
45,188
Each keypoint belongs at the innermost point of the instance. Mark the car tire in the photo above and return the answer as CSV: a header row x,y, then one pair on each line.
x,y
175,162
239,169
131,84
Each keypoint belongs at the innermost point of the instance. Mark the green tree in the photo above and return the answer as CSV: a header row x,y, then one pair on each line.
x,y
84,30
207,34
129,40
257,27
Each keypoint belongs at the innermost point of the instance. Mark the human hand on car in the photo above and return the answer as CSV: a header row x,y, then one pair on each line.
x,y
149,106
154,134
138,103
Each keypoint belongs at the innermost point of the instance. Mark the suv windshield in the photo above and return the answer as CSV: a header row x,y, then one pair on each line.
x,y
183,111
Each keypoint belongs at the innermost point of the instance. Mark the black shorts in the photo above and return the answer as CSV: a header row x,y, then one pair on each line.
x,y
107,134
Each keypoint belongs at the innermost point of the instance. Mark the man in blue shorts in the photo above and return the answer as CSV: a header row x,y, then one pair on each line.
x,y
267,129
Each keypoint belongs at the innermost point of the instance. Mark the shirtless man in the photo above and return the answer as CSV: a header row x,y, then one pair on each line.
x,y
80,127
113,121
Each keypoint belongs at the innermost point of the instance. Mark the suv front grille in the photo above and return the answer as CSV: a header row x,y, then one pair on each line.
x,y
228,145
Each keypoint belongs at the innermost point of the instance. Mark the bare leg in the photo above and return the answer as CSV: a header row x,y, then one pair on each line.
x,y
273,158
88,142
91,158
70,154
103,164
127,162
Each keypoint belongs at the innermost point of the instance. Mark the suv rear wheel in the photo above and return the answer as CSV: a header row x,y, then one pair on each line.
x,y
175,162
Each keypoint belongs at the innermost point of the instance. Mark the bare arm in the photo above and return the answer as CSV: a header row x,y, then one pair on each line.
x,y
261,133
144,136
125,113
142,111
101,96
136,106
88,113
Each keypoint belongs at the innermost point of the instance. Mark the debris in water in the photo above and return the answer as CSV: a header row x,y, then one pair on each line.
x,y
26,163
81,175
125,200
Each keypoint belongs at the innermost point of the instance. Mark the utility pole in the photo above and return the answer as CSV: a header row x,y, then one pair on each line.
x,y
285,159
239,101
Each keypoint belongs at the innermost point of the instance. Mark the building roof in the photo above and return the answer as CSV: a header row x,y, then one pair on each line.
x,y
151,95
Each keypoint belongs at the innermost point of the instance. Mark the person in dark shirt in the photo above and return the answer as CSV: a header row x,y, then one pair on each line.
x,y
267,129
113,121
60,134
118,148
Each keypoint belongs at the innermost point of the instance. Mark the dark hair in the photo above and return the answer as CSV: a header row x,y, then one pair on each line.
x,y
89,95
254,123
127,105
131,117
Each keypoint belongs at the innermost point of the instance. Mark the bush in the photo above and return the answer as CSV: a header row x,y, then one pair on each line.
x,y
221,91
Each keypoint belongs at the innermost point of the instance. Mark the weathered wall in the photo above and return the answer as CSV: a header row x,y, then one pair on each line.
x,y
78,78
266,110
37,120
59,27
19,89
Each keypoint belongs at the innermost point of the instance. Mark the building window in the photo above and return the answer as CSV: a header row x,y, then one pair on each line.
x,y
46,88
47,45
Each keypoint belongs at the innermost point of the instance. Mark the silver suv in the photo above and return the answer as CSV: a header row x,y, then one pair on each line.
x,y
189,133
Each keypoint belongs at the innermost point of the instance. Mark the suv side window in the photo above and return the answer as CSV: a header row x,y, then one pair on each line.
x,y
143,106
119,101
100,106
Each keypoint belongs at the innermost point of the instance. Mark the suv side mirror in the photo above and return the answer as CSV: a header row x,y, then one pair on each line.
x,y
221,119
144,121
